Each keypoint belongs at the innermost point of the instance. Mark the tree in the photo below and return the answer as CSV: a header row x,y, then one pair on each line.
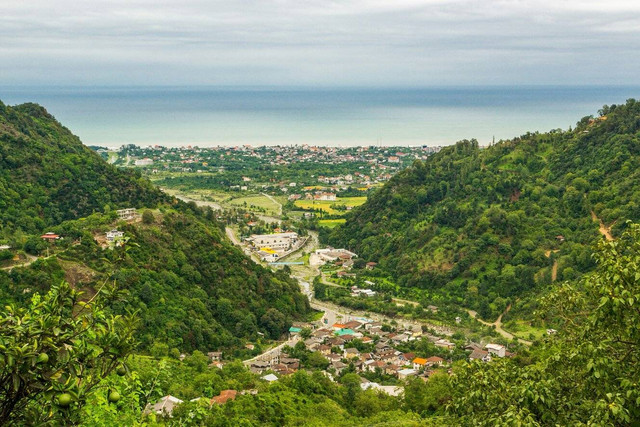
x,y
587,373
54,352
147,217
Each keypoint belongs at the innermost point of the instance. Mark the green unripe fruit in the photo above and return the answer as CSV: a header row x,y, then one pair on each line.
x,y
121,370
64,400
43,358
114,396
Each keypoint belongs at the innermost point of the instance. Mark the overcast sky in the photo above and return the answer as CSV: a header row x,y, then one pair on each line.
x,y
309,42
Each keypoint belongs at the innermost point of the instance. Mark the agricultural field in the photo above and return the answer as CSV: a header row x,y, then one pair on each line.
x,y
262,203
329,206
331,223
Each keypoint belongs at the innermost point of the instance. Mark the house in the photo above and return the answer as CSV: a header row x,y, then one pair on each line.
x,y
371,265
478,354
270,378
164,406
434,360
338,366
400,338
351,353
406,357
353,324
126,214
294,331
324,349
50,236
114,235
405,373
224,397
259,366
392,369
391,390
496,350
419,363
143,162
214,355
445,344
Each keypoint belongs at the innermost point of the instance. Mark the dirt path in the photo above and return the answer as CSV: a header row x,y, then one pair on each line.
x,y
603,229
554,269
30,260
274,201
498,325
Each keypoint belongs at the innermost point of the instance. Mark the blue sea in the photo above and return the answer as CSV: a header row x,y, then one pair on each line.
x,y
210,116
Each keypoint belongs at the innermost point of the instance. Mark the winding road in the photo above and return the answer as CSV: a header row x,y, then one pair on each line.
x,y
498,325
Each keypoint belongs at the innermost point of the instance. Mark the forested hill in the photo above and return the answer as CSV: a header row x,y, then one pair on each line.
x,y
47,175
483,225
190,287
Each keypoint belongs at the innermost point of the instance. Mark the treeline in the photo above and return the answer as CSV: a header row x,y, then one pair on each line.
x,y
478,225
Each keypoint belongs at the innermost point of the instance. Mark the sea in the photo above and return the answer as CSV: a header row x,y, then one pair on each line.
x,y
220,116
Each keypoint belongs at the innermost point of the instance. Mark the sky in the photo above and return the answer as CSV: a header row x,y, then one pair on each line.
x,y
319,43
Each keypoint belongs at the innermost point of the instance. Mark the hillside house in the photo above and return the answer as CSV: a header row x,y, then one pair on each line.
x,y
114,236
127,214
164,406
496,350
50,236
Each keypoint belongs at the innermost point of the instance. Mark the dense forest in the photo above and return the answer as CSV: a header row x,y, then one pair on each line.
x,y
47,175
483,226
190,287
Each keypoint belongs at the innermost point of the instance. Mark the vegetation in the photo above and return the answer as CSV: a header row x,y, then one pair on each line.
x,y
47,176
191,287
482,227
54,352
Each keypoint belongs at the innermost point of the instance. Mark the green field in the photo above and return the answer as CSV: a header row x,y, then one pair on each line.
x,y
331,223
327,206
256,201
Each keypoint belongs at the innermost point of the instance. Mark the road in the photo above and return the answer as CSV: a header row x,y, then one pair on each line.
x,y
269,355
30,260
498,325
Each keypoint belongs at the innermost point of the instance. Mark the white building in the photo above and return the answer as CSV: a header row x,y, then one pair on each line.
x,y
144,162
114,235
496,350
277,241
128,213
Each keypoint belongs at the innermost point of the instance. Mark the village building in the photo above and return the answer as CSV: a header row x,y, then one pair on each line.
x,y
127,214
496,350
164,406
276,242
50,236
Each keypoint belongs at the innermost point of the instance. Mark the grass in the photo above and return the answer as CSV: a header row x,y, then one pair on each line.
x,y
327,206
523,329
331,223
256,201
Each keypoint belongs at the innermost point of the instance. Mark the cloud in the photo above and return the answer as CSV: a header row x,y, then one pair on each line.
x,y
309,42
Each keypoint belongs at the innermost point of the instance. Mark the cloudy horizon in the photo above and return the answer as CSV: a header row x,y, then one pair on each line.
x,y
293,43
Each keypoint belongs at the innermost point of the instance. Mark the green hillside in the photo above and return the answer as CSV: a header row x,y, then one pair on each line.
x,y
480,227
47,175
191,288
